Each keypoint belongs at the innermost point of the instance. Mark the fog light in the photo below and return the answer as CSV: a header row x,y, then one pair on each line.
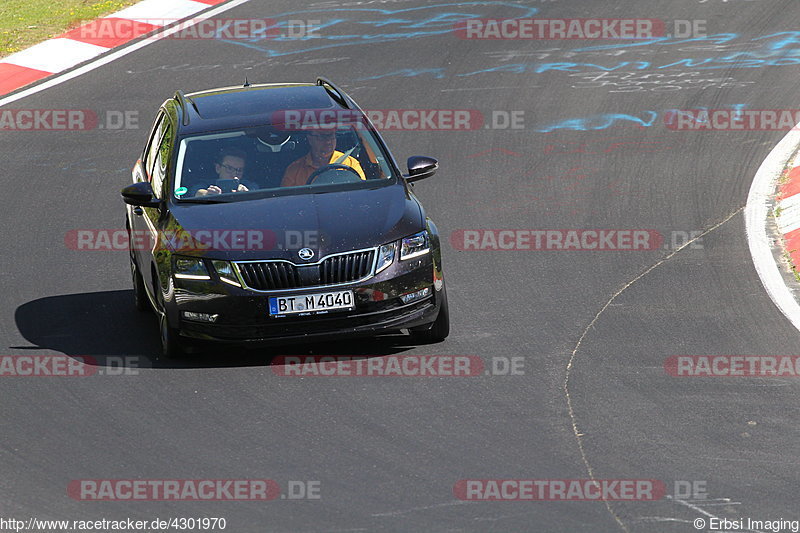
x,y
200,317
416,295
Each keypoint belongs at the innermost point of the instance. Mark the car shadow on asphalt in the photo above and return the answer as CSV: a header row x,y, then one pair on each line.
x,y
106,328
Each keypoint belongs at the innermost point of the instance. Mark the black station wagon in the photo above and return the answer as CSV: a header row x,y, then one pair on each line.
x,y
275,213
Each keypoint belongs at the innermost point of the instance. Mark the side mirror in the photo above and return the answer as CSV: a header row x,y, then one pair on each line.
x,y
421,167
140,194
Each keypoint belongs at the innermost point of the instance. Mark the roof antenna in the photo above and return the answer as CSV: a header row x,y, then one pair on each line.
x,y
246,83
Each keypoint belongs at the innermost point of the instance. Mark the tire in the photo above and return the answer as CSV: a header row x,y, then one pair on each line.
x,y
171,345
439,329
139,295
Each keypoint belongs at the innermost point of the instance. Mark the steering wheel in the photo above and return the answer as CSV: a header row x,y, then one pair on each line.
x,y
332,166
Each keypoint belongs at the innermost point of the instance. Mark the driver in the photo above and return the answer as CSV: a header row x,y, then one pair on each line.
x,y
322,152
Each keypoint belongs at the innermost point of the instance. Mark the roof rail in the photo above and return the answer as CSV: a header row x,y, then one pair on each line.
x,y
183,100
333,90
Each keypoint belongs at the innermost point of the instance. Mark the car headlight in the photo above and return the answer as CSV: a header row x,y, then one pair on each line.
x,y
385,256
415,246
225,272
190,268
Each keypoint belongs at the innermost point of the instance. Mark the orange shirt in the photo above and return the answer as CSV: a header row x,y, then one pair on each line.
x,y
298,172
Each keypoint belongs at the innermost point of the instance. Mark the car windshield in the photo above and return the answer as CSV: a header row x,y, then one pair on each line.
x,y
237,165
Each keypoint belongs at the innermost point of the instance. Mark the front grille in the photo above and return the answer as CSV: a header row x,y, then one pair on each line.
x,y
270,275
348,267
282,275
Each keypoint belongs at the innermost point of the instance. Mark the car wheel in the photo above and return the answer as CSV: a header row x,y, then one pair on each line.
x,y
171,345
439,330
139,295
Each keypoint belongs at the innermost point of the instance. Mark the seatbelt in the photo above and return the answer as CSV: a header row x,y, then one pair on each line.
x,y
344,156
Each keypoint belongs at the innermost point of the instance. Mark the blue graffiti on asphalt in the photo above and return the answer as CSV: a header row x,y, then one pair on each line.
x,y
791,37
719,38
408,23
391,25
516,68
437,73
601,122
775,50
607,120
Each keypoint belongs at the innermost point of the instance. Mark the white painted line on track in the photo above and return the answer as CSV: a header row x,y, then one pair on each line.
x,y
755,218
117,53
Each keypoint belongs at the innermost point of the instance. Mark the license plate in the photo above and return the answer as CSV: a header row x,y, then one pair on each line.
x,y
311,304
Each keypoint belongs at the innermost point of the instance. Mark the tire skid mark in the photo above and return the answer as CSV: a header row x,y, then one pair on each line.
x,y
573,356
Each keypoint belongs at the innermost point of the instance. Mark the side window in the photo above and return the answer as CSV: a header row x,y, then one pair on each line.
x,y
155,137
162,155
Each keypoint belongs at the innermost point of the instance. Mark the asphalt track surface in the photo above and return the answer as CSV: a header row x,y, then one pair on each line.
x,y
387,452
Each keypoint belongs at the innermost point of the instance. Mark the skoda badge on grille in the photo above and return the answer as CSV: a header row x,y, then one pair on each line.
x,y
306,254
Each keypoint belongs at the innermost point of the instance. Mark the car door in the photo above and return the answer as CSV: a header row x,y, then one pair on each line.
x,y
140,242
148,220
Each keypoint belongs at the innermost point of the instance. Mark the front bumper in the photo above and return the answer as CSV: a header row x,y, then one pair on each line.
x,y
244,314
